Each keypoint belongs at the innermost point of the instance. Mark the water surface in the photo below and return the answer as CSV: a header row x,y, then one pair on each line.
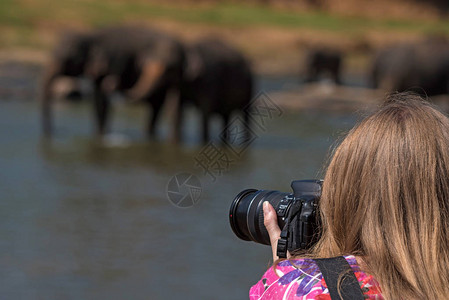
x,y
81,219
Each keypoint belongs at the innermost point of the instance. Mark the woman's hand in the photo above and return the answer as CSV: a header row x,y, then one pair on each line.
x,y
270,221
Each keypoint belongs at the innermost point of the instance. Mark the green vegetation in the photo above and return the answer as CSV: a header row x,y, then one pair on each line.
x,y
21,18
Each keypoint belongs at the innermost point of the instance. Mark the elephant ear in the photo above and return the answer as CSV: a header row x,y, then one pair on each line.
x,y
151,71
194,66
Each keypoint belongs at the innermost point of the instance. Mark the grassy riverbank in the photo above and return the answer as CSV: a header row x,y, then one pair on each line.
x,y
272,36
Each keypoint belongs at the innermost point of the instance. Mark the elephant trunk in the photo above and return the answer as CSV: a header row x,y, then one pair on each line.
x,y
150,77
46,99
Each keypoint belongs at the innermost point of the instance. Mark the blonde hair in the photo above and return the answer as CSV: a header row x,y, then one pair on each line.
x,y
386,198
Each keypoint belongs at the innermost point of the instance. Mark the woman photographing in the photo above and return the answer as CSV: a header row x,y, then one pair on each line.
x,y
384,208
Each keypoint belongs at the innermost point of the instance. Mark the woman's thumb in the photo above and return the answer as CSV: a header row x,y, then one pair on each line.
x,y
270,221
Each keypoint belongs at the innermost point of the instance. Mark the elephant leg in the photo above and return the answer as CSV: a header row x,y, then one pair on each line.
x,y
154,116
247,120
205,124
102,107
225,128
156,102
179,116
46,100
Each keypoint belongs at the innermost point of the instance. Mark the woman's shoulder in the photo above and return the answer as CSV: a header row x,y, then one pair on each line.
x,y
302,279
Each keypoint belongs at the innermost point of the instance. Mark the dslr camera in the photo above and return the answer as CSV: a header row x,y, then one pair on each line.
x,y
296,214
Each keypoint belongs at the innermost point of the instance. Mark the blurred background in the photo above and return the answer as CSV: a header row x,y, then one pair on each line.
x,y
89,208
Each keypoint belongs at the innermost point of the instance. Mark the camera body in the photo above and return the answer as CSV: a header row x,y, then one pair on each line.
x,y
296,212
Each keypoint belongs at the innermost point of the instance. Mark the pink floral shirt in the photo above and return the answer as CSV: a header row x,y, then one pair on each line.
x,y
302,279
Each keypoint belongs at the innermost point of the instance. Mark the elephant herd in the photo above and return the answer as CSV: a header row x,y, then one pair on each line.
x,y
421,66
146,65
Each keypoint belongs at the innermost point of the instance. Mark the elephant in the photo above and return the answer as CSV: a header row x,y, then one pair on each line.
x,y
421,67
217,80
323,61
143,64
68,59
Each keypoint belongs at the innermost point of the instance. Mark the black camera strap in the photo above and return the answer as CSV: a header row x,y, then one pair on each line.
x,y
340,278
281,250
290,238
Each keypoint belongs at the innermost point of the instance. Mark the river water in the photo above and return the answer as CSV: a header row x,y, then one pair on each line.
x,y
83,219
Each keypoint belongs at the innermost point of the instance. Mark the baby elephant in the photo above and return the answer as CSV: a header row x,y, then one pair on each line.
x,y
218,80
321,62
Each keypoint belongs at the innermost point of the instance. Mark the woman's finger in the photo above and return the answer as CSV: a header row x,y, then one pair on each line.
x,y
271,224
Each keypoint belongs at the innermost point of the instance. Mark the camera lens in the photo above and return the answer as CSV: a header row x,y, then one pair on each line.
x,y
246,214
